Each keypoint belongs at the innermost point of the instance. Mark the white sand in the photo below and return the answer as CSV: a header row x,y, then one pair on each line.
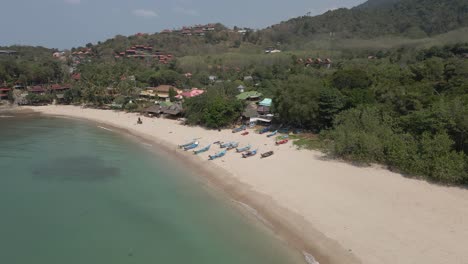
x,y
364,215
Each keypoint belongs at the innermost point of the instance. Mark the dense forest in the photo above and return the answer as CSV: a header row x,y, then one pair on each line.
x,y
403,106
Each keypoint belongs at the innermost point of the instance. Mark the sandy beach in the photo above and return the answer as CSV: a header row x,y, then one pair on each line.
x,y
337,212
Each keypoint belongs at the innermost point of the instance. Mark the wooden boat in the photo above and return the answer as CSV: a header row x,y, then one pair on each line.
x,y
249,153
244,148
189,147
272,133
202,150
233,145
281,142
218,155
239,129
267,154
245,133
187,144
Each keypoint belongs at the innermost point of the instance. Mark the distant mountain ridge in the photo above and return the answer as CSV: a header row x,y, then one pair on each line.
x,y
377,4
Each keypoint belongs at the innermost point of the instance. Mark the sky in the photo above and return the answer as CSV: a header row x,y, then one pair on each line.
x,y
64,24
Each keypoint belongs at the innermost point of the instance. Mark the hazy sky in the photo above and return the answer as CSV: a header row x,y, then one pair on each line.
x,y
69,23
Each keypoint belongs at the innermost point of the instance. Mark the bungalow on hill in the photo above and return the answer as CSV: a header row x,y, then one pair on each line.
x,y
37,89
249,96
59,88
189,94
8,52
162,91
4,93
19,85
241,88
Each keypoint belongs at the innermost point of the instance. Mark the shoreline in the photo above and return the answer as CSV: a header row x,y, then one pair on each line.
x,y
284,203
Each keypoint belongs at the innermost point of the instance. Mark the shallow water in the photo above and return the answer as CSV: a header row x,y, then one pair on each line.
x,y
71,192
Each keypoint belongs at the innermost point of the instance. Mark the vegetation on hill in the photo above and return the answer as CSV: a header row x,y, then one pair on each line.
x,y
409,18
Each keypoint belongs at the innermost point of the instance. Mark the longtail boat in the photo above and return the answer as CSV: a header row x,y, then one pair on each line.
x,y
225,144
249,153
245,133
189,147
244,148
218,155
281,142
233,145
188,144
202,150
283,137
272,133
267,154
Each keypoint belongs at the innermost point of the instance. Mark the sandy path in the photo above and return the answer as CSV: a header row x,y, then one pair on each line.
x,y
364,215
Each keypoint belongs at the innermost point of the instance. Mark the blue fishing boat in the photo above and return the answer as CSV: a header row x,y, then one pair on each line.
x,y
239,129
188,144
244,148
233,145
189,147
249,153
272,133
226,144
218,155
202,150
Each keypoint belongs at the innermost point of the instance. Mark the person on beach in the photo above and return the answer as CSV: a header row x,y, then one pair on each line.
x,y
139,121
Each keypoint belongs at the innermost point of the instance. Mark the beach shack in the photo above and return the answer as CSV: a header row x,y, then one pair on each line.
x,y
264,106
173,110
154,110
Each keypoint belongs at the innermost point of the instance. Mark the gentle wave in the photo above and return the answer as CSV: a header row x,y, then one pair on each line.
x,y
251,210
309,258
105,128
6,116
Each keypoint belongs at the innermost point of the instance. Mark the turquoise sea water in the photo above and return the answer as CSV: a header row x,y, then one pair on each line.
x,y
71,192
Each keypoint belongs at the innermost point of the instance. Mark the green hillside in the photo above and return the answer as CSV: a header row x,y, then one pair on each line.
x,y
405,18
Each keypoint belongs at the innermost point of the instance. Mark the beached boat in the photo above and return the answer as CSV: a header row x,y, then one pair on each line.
x,y
283,137
189,147
226,144
218,155
264,130
188,144
245,133
267,154
202,150
272,133
233,145
244,148
239,129
281,142
249,153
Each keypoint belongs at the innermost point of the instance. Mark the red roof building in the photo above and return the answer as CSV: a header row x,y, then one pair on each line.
x,y
4,92
76,76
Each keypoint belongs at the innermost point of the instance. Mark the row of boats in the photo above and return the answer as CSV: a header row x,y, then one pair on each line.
x,y
245,151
